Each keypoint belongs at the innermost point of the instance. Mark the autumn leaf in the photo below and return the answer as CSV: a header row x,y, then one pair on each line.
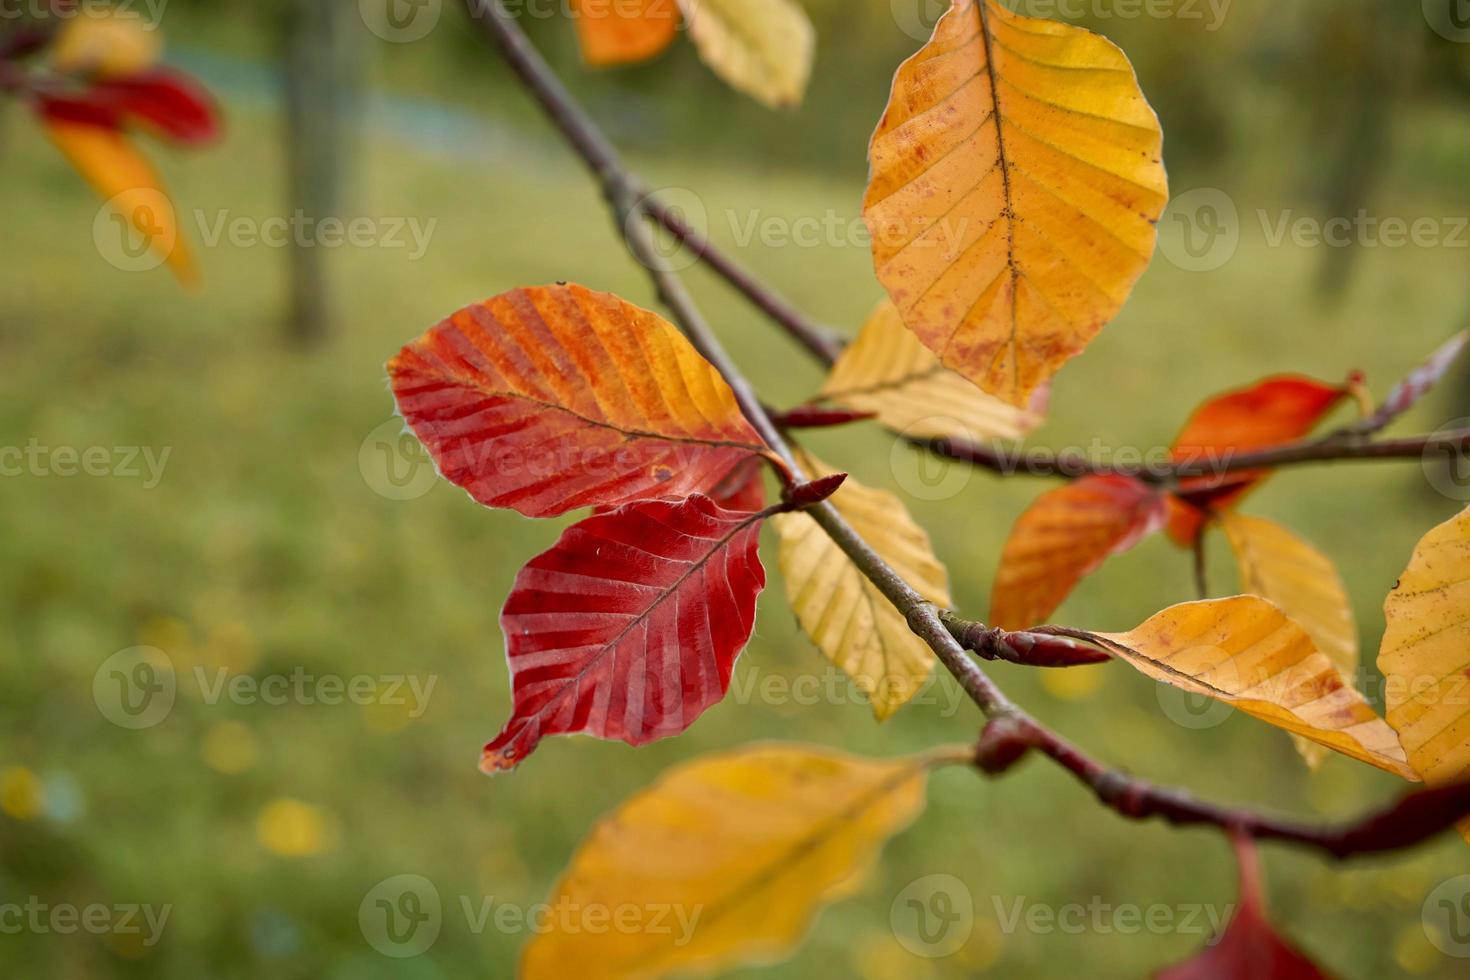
x,y
1277,565
1249,947
888,372
1245,652
742,849
1062,538
615,32
844,613
628,628
741,489
548,399
1425,657
763,48
125,179
110,44
1277,410
1017,178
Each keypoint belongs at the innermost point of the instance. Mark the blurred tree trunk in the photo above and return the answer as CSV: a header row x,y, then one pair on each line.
x,y
1365,61
321,70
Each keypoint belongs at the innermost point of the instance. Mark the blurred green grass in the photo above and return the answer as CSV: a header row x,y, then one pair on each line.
x,y
265,549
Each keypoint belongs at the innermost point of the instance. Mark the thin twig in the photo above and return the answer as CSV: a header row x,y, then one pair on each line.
x,y
1009,725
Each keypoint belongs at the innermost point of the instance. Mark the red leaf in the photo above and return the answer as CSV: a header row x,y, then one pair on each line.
x,y
629,627
546,400
1271,412
164,102
1249,949
1062,537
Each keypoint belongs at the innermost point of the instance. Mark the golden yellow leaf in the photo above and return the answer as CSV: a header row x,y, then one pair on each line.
x,y
763,48
849,620
615,32
1246,652
1017,177
109,45
735,854
125,179
888,372
1425,657
1277,565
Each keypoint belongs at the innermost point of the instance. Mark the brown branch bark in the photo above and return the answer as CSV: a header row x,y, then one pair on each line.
x,y
1011,732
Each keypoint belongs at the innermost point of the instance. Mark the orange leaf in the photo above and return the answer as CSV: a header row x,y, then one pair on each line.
x,y
548,399
1063,537
1017,177
125,179
1245,652
1271,412
617,32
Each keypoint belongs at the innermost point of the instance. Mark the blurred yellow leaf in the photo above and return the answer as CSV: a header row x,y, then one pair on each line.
x,y
734,854
128,183
292,828
1246,652
849,620
615,32
108,45
1425,657
1277,565
888,372
763,48
21,795
1017,177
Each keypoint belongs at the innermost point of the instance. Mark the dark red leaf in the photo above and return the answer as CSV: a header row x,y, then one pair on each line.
x,y
1271,412
161,101
1248,949
818,417
742,488
629,627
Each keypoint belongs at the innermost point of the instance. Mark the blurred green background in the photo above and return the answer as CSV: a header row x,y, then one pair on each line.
x,y
273,544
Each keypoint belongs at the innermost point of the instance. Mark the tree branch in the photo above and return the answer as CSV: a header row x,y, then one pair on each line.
x,y
1011,732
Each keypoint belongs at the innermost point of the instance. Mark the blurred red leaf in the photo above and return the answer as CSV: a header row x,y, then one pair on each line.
x,y
742,489
629,627
1065,535
163,102
549,399
1271,412
1248,949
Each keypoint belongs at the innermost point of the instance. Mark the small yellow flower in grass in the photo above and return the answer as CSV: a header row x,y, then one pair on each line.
x,y
1074,683
229,747
20,793
292,828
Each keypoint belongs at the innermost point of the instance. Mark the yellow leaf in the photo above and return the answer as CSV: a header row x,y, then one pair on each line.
x,y
108,45
849,620
1246,652
763,48
616,32
888,372
734,853
125,179
1277,565
1017,177
1425,657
